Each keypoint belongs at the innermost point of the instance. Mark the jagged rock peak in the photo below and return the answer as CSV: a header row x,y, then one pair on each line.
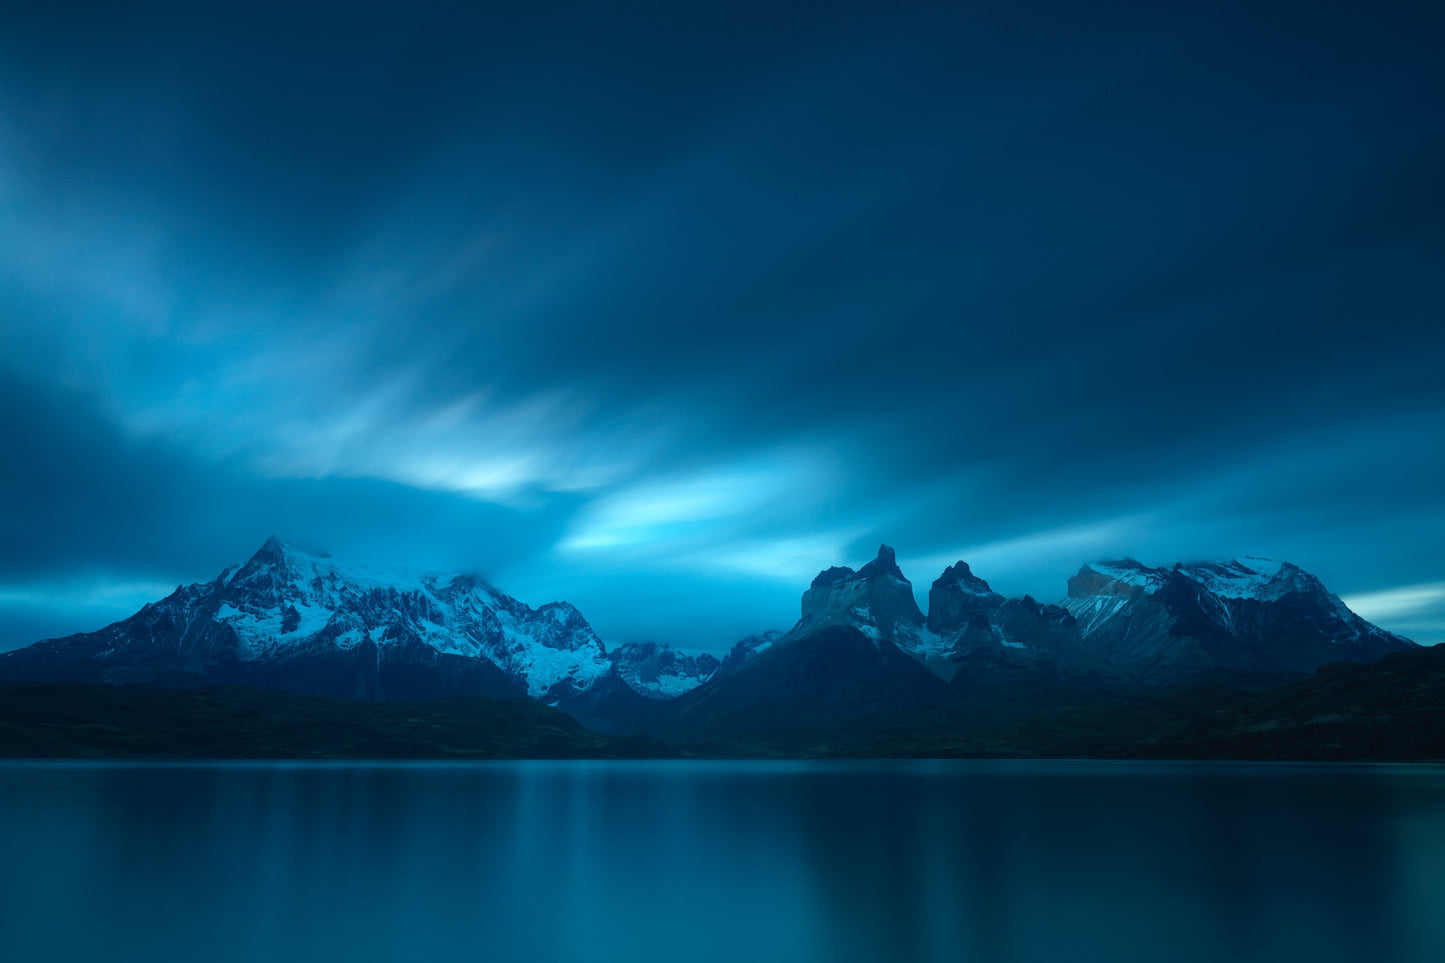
x,y
278,551
832,576
886,564
958,597
275,545
271,552
960,575
660,671
877,597
748,647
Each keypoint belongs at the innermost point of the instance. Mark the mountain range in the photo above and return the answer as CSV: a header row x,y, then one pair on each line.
x,y
313,625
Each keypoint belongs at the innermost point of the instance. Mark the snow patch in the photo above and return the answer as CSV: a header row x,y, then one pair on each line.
x,y
1248,578
1149,579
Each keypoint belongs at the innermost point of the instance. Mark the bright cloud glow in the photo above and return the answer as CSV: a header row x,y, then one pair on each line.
x,y
288,419
1397,602
759,516
671,510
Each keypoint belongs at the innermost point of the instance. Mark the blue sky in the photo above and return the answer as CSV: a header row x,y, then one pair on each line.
x,y
663,308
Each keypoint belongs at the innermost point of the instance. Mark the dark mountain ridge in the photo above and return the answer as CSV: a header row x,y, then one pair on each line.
x,y
312,625
1165,626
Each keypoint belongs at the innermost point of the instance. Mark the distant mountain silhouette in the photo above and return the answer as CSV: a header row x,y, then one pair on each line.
x,y
309,624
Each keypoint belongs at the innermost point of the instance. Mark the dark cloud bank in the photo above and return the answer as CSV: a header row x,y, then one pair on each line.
x,y
661,310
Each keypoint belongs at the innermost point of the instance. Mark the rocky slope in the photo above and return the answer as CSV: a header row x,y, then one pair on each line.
x,y
748,647
820,676
862,646
1249,615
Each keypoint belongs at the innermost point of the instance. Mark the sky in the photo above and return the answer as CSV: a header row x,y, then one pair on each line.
x,y
662,308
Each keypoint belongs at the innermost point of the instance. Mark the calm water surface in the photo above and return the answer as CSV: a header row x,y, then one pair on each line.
x,y
711,861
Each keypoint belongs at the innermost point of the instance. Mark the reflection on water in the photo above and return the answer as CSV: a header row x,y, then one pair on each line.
x,y
711,861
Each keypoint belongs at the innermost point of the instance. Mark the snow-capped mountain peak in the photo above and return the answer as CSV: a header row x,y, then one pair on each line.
x,y
282,596
1120,577
877,599
959,597
1246,614
660,671
287,607
960,575
1250,577
884,565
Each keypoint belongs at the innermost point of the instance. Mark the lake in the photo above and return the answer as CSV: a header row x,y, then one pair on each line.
x,y
721,861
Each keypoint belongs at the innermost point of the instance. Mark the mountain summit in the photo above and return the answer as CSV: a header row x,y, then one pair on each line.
x,y
876,599
315,625
972,637
1167,625
308,623
862,645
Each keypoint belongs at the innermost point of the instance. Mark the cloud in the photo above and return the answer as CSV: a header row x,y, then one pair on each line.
x,y
1414,611
96,497
664,514
696,299
1397,604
